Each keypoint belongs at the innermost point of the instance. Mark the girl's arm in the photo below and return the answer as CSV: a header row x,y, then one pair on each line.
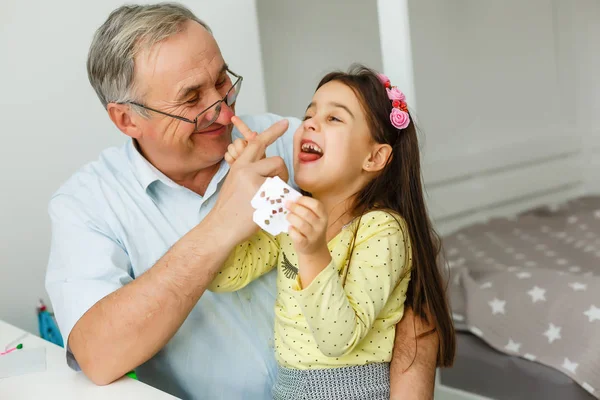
x,y
248,261
341,315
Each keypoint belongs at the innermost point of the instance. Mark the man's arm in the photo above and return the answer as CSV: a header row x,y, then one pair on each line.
x,y
413,376
128,326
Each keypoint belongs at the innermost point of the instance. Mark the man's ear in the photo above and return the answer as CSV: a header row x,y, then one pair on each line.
x,y
121,116
378,158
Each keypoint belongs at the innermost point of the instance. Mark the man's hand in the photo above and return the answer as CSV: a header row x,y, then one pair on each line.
x,y
247,173
412,369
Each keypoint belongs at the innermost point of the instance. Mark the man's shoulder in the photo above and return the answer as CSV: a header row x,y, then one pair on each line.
x,y
87,185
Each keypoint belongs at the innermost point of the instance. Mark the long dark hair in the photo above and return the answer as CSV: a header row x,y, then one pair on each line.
x,y
398,188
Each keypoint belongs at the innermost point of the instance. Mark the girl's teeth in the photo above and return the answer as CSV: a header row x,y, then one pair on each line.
x,y
313,148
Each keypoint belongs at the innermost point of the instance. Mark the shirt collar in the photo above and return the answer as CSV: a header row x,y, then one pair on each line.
x,y
147,173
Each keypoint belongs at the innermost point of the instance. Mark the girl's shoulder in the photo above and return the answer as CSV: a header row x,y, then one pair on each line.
x,y
381,216
380,222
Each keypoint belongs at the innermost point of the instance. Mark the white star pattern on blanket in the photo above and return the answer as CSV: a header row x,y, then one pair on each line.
x,y
456,279
529,357
593,313
497,306
530,264
553,333
537,294
512,346
577,286
570,366
524,275
458,317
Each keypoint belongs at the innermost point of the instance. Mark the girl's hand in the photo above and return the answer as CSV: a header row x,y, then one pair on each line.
x,y
234,150
308,226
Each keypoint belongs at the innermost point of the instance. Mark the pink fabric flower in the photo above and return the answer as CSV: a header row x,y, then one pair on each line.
x,y
383,79
395,94
399,119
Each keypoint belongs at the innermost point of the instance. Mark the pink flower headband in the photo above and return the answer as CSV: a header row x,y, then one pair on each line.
x,y
399,116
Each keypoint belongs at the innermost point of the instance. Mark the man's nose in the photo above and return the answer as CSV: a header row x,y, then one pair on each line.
x,y
225,115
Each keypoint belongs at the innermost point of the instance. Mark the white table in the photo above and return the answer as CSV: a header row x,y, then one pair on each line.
x,y
59,381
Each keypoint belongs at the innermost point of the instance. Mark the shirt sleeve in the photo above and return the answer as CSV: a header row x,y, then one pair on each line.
x,y
86,262
341,315
247,262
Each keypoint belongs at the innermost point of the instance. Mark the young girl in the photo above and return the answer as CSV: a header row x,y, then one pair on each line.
x,y
358,247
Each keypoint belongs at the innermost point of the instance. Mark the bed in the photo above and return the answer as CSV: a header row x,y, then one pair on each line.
x,y
525,296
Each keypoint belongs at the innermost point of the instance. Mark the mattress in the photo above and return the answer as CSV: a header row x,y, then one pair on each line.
x,y
557,249
484,371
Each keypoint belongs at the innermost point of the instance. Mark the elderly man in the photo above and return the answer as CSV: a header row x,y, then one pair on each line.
x,y
138,235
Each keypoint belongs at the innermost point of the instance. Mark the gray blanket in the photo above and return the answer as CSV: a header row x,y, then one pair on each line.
x,y
530,286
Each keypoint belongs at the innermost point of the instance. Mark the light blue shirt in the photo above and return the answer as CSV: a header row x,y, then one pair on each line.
x,y
112,220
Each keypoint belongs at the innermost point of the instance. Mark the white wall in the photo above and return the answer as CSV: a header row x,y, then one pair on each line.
x,y
52,122
488,83
301,41
579,32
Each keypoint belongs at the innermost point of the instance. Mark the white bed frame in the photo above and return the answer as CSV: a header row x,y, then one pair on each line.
x,y
507,180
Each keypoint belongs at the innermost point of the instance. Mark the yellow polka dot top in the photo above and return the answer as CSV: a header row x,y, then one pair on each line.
x,y
348,314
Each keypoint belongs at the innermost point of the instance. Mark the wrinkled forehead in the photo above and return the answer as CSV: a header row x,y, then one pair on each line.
x,y
189,58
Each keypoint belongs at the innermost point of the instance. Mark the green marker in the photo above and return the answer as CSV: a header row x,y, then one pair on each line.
x,y
132,375
19,347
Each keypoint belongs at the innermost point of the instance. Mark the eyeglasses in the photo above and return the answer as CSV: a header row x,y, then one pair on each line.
x,y
211,113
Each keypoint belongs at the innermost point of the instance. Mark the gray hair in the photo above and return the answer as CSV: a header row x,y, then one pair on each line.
x,y
127,31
